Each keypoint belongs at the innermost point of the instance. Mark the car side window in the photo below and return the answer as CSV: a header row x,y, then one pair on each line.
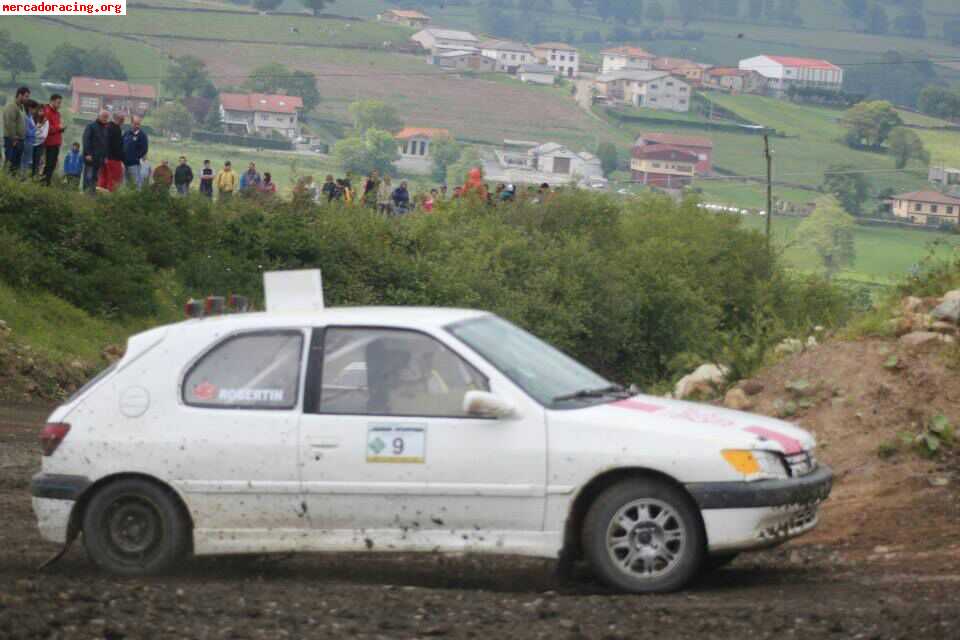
x,y
389,372
248,371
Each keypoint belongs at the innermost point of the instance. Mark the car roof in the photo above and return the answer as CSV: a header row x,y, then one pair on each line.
x,y
404,317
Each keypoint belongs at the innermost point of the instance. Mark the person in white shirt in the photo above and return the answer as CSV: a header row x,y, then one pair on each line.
x,y
41,129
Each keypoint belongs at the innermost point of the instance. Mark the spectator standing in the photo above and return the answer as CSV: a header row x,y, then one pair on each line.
x,y
111,173
250,180
73,166
345,190
26,158
51,148
401,199
94,150
15,129
136,144
329,189
226,182
41,128
267,188
371,190
183,177
384,196
163,177
206,179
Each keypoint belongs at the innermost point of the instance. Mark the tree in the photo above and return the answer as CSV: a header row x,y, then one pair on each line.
x,y
656,13
276,78
856,8
374,150
951,31
369,114
457,172
905,145
187,75
689,10
849,187
173,117
213,122
869,123
316,6
728,8
15,58
607,152
578,5
67,61
912,25
497,22
829,232
939,102
445,151
877,21
267,5
755,9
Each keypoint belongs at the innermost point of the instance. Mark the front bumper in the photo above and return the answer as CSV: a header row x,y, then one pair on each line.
x,y
741,516
53,500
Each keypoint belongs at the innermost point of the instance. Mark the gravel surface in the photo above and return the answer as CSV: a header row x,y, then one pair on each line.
x,y
800,591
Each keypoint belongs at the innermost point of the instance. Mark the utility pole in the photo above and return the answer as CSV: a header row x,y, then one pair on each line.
x,y
769,157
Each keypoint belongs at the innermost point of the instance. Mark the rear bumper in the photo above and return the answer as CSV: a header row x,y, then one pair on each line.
x,y
741,516
53,500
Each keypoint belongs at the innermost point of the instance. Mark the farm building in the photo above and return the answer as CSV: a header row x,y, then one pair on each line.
x,y
537,74
442,40
783,72
405,17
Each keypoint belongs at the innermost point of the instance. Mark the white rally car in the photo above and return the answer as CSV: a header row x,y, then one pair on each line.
x,y
406,429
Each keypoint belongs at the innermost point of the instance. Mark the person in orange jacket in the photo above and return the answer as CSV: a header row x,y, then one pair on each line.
x,y
475,184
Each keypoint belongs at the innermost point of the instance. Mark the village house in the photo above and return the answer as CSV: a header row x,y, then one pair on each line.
x,y
413,19
929,208
700,146
90,95
443,40
735,80
691,71
260,113
783,72
538,74
652,89
415,145
534,163
626,57
564,59
510,56
663,165
945,177
464,61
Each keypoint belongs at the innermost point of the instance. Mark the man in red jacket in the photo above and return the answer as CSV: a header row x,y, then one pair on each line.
x,y
54,140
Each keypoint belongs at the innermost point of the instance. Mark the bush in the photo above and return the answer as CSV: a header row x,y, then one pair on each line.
x,y
637,290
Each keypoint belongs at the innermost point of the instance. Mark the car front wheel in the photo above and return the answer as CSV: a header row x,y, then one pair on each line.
x,y
644,536
135,528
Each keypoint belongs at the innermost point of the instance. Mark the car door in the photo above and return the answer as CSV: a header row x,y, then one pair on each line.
x,y
385,442
238,444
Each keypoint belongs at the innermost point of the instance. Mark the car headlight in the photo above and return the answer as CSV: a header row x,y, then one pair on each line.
x,y
757,464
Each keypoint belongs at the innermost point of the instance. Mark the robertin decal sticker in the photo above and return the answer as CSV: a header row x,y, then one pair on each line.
x,y
397,443
250,395
205,391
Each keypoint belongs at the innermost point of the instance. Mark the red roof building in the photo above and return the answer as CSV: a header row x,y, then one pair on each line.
x,y
663,165
618,58
700,146
415,142
91,95
930,208
260,113
784,72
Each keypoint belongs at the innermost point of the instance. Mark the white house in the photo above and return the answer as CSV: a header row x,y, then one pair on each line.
x,y
782,72
533,163
440,40
652,89
510,56
260,113
564,59
415,145
463,61
537,74
626,57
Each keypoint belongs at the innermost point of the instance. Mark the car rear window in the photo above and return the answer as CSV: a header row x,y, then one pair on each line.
x,y
248,371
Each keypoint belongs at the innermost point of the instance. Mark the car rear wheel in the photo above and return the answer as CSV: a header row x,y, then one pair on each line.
x,y
644,536
135,528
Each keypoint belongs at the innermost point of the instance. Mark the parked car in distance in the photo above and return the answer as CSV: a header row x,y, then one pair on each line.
x,y
393,429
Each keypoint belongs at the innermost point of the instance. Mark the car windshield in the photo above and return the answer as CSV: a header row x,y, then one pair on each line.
x,y
538,368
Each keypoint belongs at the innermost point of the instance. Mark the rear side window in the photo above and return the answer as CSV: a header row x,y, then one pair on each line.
x,y
249,371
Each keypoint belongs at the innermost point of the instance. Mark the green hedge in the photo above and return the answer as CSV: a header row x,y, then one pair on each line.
x,y
640,290
242,141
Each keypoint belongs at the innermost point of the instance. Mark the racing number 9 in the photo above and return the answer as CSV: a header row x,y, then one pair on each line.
x,y
397,446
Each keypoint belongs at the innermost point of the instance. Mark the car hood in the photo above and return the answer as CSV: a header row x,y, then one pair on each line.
x,y
716,425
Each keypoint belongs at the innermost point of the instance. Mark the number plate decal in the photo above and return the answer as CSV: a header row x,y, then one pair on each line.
x,y
397,443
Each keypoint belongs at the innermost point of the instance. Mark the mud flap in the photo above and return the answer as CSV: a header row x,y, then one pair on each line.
x,y
72,534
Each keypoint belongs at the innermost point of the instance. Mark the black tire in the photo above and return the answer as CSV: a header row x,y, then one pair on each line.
x,y
679,536
135,528
717,562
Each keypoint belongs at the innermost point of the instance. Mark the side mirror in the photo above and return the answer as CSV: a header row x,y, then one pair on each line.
x,y
483,404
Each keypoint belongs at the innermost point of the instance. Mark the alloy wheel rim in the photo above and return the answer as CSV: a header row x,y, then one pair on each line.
x,y
646,539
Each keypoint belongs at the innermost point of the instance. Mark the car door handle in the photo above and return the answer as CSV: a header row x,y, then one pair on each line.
x,y
325,443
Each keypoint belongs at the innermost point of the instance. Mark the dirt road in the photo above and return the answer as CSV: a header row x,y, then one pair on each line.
x,y
834,590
